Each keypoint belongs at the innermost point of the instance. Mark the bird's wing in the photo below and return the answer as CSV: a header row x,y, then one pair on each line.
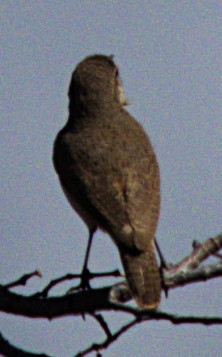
x,y
115,180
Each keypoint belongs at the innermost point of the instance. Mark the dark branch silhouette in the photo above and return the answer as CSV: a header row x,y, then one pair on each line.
x,y
6,349
111,298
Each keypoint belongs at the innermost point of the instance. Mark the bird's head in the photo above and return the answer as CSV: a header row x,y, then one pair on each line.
x,y
96,84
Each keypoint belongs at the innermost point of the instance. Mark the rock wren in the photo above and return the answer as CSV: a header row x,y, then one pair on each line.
x,y
109,172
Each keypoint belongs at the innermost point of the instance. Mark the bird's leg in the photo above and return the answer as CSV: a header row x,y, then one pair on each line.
x,y
163,262
85,276
163,265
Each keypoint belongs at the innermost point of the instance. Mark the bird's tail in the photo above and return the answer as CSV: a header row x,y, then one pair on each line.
x,y
143,276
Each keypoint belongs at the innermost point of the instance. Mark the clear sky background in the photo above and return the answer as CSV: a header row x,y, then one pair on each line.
x,y
170,59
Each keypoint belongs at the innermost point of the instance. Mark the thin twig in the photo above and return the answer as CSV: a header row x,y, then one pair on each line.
x,y
87,275
145,315
97,347
103,324
44,293
107,299
177,319
22,280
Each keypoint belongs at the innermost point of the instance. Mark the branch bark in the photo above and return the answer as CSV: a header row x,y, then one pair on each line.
x,y
92,300
111,298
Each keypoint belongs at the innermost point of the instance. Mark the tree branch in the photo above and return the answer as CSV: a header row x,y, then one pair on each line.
x,y
144,315
97,347
201,274
23,280
6,349
92,301
188,271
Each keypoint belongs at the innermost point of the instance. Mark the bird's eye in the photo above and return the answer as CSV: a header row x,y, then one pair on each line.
x,y
117,72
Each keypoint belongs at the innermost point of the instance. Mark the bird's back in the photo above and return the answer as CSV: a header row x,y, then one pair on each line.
x,y
111,163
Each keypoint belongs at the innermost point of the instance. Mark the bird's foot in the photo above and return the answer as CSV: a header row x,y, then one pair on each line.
x,y
85,279
84,284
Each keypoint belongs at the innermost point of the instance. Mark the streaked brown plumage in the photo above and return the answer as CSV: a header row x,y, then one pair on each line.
x,y
109,172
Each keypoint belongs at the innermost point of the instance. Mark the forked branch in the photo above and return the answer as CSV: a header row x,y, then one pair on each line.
x,y
188,270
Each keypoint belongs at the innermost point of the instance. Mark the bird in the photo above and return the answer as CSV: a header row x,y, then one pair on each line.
x,y
109,172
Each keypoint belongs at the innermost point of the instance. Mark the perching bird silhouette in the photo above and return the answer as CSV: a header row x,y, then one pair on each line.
x,y
109,172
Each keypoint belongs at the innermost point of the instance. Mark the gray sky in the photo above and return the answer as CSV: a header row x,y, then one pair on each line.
x,y
170,59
